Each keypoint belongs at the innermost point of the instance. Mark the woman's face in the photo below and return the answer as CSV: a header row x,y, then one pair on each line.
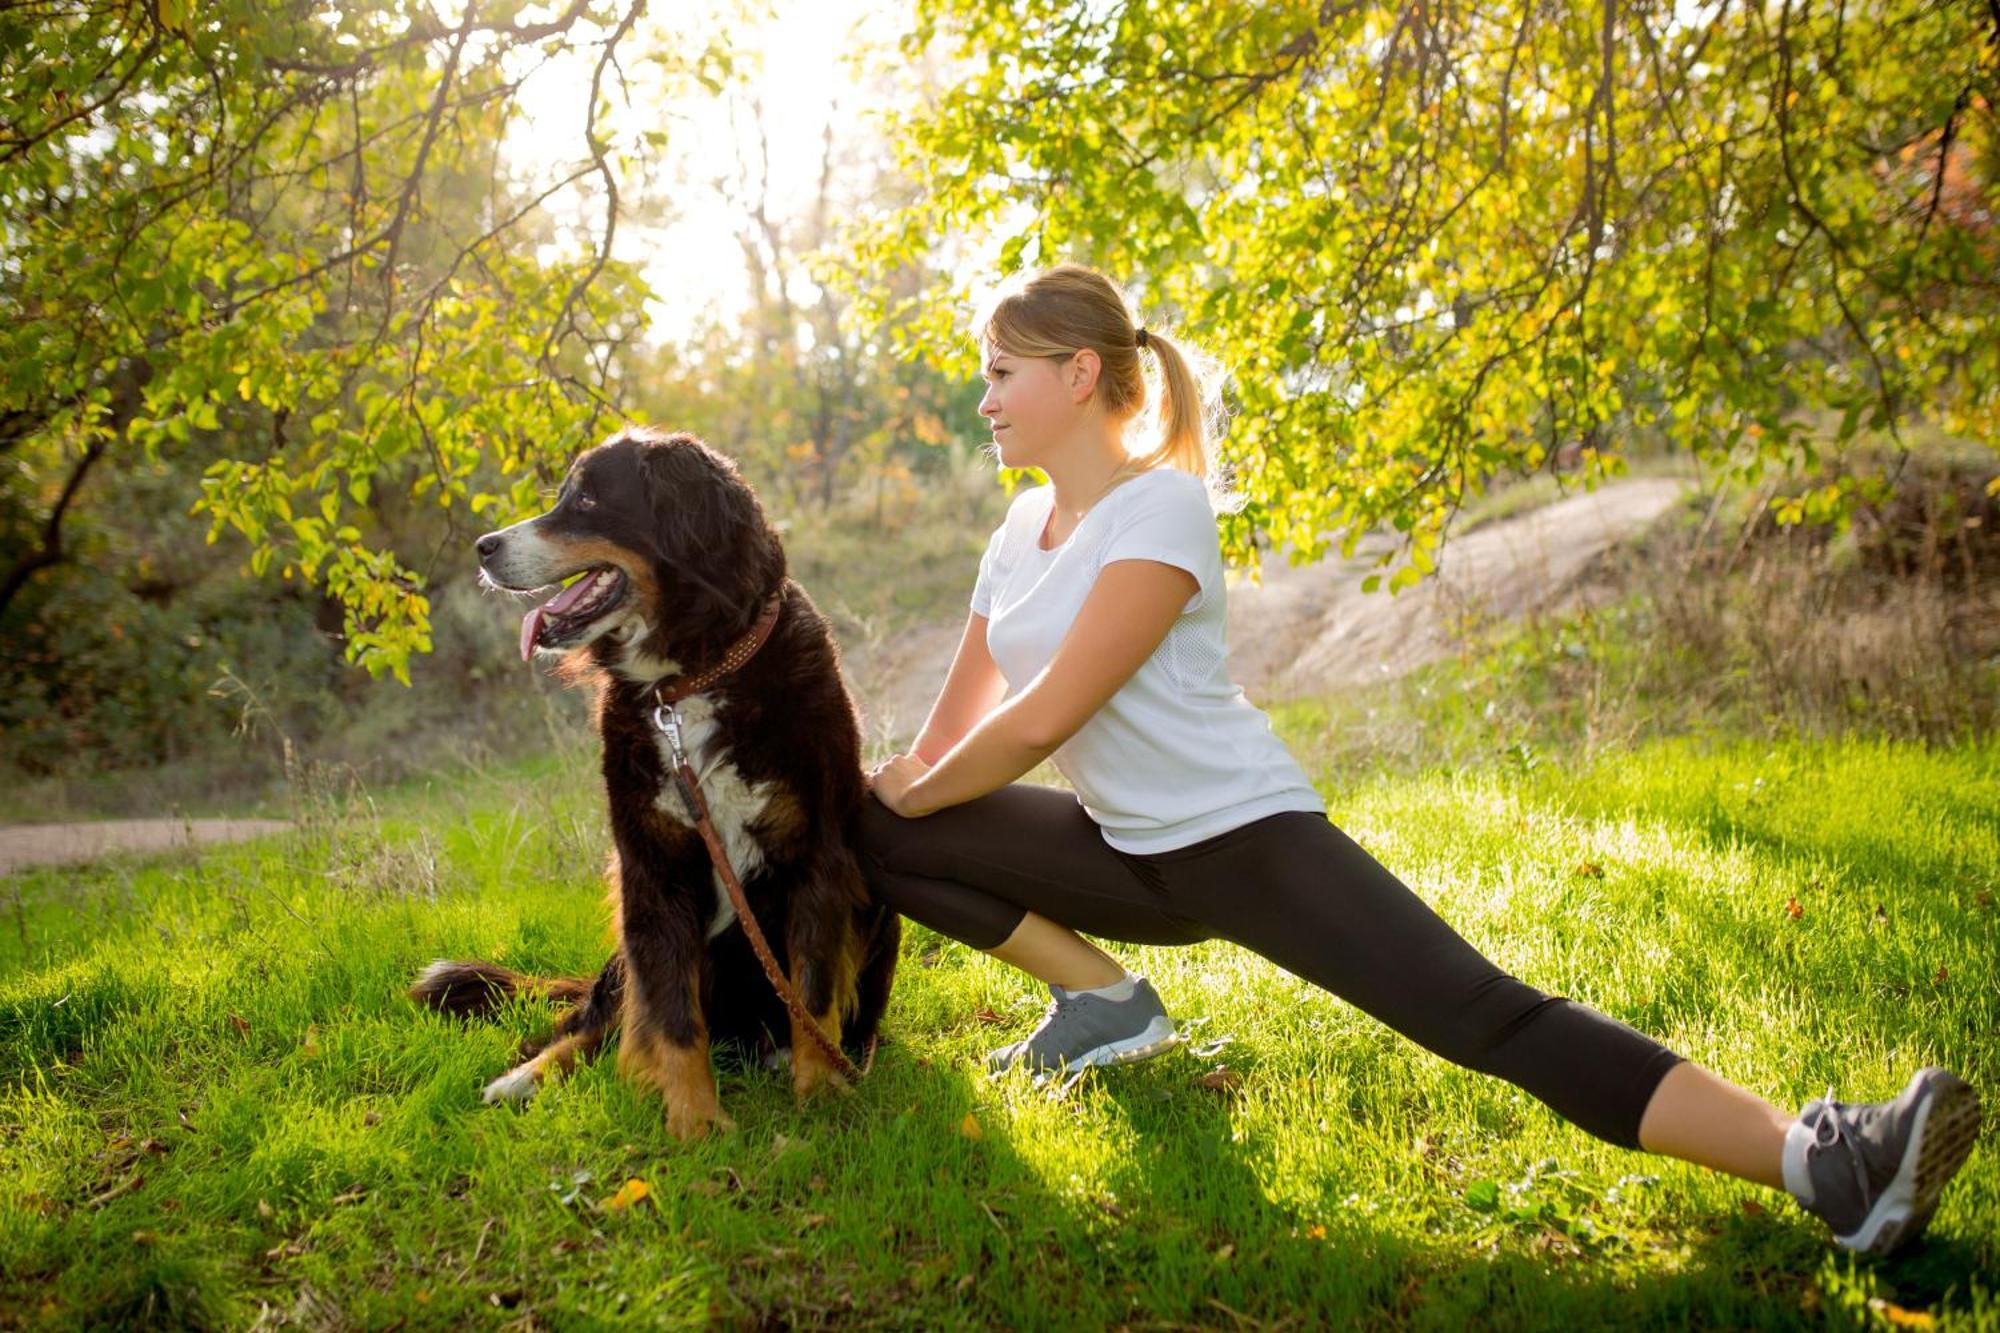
x,y
1030,403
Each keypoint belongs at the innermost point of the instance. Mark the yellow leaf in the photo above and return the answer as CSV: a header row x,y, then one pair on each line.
x,y
1898,1317
970,1127
311,1046
631,1192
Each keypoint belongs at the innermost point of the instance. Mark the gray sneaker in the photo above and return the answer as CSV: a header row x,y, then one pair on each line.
x,y
1081,1030
1873,1171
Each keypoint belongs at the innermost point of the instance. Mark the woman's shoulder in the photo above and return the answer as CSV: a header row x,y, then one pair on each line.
x,y
1166,485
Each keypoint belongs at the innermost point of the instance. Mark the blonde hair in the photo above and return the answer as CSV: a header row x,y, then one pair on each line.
x,y
1062,310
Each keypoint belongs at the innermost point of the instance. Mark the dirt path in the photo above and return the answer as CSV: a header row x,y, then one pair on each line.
x,y
24,845
1310,628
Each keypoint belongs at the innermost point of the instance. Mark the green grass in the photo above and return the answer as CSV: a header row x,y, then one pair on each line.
x,y
214,1101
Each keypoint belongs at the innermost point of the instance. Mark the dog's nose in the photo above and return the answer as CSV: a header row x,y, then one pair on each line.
x,y
487,545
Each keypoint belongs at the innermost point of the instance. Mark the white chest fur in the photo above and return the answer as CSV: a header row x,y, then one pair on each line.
x,y
733,804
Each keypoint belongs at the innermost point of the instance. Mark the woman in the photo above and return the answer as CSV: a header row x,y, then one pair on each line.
x,y
1096,638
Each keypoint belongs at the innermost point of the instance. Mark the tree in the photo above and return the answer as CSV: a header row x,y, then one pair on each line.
x,y
289,227
1437,243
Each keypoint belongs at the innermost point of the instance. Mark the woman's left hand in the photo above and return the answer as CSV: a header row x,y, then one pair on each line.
x,y
891,782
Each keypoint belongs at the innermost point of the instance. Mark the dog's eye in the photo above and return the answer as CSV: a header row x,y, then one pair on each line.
x,y
584,500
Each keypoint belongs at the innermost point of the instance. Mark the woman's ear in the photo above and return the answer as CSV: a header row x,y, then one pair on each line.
x,y
1082,371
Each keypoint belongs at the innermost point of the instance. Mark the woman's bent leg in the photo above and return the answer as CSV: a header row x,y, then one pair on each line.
x,y
974,871
1297,890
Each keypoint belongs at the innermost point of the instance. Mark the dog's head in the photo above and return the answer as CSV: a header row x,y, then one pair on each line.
x,y
669,551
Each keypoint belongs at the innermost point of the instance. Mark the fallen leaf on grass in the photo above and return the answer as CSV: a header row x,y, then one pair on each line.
x,y
240,1024
1793,910
970,1127
631,1192
986,1015
1898,1317
353,1194
1221,1079
310,1046
1754,1209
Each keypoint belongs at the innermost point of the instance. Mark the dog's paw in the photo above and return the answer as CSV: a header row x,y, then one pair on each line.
x,y
516,1087
688,1123
812,1079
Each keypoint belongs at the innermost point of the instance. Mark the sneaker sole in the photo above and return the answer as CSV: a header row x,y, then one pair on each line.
x,y
1157,1038
1947,1126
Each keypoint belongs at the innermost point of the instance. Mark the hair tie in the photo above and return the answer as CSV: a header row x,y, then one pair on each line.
x,y
1142,335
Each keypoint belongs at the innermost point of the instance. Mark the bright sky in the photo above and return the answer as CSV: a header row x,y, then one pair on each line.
x,y
796,62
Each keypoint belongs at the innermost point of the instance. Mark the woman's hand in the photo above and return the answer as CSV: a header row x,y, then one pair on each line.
x,y
891,781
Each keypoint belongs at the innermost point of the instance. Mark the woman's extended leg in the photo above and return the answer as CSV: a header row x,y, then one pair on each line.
x,y
1326,910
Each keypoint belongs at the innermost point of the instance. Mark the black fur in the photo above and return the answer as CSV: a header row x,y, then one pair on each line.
x,y
698,558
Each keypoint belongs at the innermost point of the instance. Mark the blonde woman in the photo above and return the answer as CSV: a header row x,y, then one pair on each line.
x,y
1096,639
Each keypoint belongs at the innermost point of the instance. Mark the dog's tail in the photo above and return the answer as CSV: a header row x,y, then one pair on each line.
x,y
473,990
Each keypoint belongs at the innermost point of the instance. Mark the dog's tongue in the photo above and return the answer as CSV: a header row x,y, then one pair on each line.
x,y
531,624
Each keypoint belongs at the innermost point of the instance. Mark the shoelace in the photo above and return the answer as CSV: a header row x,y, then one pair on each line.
x,y
1829,1117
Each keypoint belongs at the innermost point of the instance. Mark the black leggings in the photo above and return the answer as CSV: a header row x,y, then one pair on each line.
x,y
1291,887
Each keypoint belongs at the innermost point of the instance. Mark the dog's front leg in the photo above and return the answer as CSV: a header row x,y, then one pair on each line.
x,y
822,944
665,1039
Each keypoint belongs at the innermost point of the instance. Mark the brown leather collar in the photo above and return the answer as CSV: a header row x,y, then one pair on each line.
x,y
675,688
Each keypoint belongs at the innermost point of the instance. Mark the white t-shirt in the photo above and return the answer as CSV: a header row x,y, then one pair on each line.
x,y
1178,754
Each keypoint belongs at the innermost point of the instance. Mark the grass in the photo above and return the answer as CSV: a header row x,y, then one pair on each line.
x,y
216,1108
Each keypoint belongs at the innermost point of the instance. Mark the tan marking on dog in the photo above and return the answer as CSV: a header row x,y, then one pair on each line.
x,y
813,1070
783,820
596,551
683,1077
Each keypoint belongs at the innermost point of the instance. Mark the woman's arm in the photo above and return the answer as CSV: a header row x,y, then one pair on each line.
x,y
971,688
1127,613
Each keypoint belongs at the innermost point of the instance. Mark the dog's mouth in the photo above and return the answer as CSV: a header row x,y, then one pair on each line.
x,y
564,616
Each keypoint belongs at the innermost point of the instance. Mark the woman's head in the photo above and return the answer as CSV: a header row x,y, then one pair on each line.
x,y
1064,345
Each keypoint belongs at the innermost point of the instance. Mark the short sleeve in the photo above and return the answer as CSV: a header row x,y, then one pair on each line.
x,y
989,570
1169,520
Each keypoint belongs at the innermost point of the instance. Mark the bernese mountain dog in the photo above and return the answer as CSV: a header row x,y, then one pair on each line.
x,y
673,563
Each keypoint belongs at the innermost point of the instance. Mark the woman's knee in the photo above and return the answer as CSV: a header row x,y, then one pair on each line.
x,y
878,832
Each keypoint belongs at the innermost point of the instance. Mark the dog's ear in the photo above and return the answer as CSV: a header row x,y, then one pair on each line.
x,y
703,515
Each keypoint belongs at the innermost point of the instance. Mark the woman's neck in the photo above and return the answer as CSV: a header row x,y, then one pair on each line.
x,y
1084,472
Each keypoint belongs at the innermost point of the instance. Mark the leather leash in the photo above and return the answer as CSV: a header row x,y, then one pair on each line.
x,y
666,716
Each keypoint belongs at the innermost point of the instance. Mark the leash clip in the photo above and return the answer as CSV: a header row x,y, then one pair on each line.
x,y
667,717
